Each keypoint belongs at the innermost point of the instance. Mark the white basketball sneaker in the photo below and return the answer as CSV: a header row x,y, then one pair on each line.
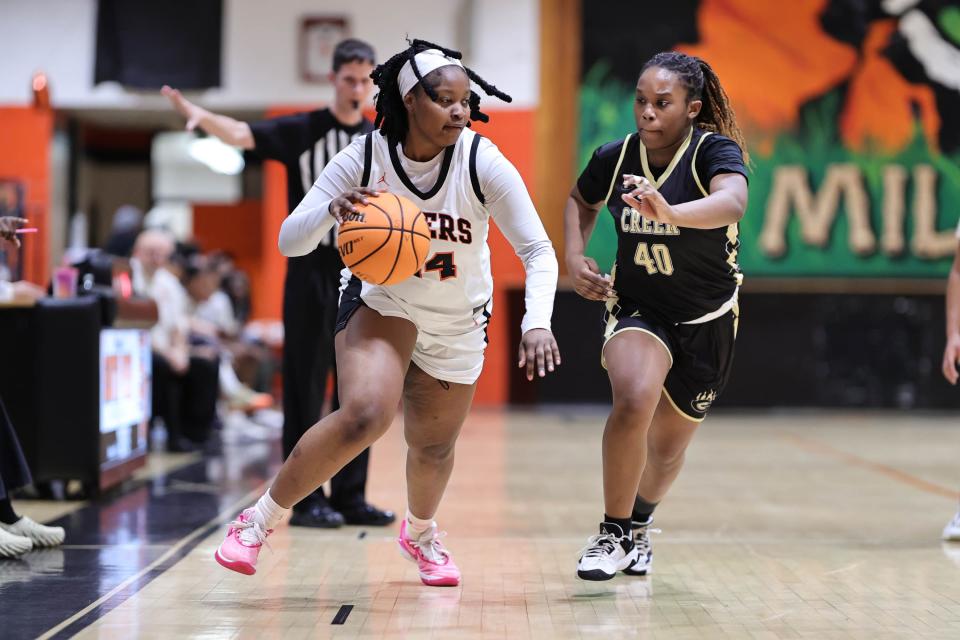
x,y
40,534
951,532
12,545
610,551
641,540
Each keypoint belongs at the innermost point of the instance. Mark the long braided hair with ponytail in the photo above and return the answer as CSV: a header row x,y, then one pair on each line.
x,y
392,115
702,83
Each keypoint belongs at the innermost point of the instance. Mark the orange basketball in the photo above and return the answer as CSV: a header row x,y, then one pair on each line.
x,y
386,242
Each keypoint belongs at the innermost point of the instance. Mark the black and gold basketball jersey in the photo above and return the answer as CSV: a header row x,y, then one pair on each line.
x,y
677,275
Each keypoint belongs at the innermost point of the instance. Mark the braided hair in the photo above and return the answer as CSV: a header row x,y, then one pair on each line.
x,y
702,83
392,115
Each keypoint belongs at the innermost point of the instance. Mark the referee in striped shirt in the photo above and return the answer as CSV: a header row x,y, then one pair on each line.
x,y
305,143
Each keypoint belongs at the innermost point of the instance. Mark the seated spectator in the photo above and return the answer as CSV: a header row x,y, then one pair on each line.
x,y
127,225
18,534
213,324
211,303
184,380
235,284
253,360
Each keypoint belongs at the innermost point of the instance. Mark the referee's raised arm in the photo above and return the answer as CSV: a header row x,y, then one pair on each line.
x,y
236,133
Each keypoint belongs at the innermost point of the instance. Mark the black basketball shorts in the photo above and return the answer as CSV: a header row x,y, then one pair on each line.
x,y
701,355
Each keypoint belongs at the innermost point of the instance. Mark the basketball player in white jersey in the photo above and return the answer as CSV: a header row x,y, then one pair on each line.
x,y
305,143
423,339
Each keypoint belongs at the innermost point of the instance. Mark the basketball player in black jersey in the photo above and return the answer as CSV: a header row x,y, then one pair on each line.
x,y
305,143
675,190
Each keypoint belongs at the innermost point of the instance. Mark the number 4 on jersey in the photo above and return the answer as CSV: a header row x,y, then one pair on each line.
x,y
442,262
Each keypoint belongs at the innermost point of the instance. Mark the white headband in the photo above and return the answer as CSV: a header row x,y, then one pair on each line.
x,y
427,61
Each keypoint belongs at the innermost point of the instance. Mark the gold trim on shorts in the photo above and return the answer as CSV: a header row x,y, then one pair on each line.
x,y
681,411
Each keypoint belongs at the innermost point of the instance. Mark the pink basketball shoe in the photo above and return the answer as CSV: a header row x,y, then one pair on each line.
x,y
241,548
437,568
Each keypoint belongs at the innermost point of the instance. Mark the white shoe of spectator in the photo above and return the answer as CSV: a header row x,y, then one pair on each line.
x,y
12,546
41,535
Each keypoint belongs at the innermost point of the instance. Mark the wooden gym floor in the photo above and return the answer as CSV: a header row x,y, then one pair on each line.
x,y
819,525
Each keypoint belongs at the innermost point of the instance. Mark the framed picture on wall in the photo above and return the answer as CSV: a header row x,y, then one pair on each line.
x,y
318,37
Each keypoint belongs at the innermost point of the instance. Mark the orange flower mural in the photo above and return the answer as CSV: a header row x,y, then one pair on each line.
x,y
880,103
775,57
769,71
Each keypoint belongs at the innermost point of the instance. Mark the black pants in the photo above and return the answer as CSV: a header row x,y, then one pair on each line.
x,y
14,472
309,316
187,402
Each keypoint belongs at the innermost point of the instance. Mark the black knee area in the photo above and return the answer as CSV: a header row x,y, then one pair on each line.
x,y
365,422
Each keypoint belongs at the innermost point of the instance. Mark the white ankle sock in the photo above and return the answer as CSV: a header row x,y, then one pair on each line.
x,y
267,512
416,527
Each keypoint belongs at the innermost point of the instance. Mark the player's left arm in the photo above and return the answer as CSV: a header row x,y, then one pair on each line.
x,y
510,206
725,204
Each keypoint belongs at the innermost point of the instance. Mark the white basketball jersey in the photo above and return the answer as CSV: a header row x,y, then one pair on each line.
x,y
455,279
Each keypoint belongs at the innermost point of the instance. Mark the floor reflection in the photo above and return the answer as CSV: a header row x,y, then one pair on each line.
x,y
116,537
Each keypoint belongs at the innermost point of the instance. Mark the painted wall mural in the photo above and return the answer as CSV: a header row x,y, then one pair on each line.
x,y
851,109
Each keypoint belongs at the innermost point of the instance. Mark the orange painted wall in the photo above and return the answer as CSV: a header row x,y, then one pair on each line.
x,y
234,228
513,132
25,137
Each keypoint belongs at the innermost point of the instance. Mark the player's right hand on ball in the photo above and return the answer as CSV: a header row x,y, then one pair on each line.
x,y
343,206
951,356
587,280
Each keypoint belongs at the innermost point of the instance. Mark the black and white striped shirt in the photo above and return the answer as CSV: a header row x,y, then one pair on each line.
x,y
305,143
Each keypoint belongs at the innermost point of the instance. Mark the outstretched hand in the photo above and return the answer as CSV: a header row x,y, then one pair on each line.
x,y
538,352
184,107
8,230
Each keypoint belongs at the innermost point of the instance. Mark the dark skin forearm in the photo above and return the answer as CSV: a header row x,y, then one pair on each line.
x,y
579,220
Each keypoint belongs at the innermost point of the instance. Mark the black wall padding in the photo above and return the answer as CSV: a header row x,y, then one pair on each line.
x,y
149,43
797,350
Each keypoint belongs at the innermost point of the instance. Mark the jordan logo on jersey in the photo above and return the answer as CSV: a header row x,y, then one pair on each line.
x,y
383,180
703,401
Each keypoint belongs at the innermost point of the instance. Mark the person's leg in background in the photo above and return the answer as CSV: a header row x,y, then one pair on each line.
x,y
168,403
18,534
200,390
302,393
